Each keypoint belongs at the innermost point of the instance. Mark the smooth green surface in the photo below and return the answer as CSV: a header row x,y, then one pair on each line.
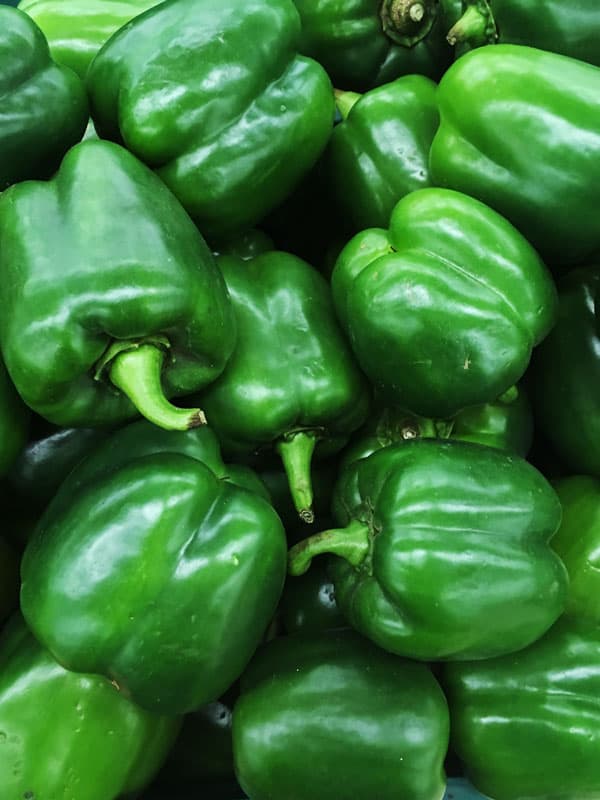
x,y
14,422
44,107
104,256
527,726
445,550
331,715
520,130
68,736
443,310
213,95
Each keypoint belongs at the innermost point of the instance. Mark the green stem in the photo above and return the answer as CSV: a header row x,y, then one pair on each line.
x,y
406,22
136,372
345,101
296,453
351,543
476,26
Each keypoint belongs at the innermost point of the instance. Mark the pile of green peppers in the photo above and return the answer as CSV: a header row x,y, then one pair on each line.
x,y
300,399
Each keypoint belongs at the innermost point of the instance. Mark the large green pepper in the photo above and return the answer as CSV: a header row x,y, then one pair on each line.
x,y
44,107
565,374
151,566
520,130
77,29
213,95
115,287
380,151
331,715
527,725
292,383
14,422
443,310
67,736
444,551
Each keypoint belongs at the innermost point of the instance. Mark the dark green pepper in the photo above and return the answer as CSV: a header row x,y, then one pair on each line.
x,y
213,95
44,107
308,603
443,310
14,422
70,736
520,130
368,724
444,552
92,301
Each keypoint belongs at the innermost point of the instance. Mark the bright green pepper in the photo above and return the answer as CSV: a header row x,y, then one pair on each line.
x,y
77,29
368,724
520,130
92,302
173,610
14,422
212,94
527,725
444,551
380,151
292,383
443,310
44,107
67,736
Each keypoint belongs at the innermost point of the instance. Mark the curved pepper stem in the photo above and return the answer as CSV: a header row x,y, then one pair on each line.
x,y
406,22
345,101
476,27
296,453
351,543
136,372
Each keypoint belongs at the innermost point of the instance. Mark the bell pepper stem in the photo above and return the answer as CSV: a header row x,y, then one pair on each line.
x,y
475,27
296,453
407,22
345,101
351,543
136,372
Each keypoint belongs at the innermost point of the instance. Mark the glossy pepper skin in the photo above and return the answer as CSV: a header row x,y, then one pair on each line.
x,y
348,37
506,113
444,552
292,383
346,706
527,725
14,422
443,310
77,30
570,29
95,744
380,151
174,610
44,106
565,375
92,302
214,96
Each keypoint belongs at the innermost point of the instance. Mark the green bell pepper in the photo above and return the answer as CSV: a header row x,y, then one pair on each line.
x,y
77,29
367,724
527,726
443,310
308,603
380,151
292,383
173,610
115,290
68,736
444,552
213,95
520,130
44,106
14,422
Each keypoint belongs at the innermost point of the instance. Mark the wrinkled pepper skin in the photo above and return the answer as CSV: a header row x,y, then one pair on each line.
x,y
527,725
69,736
577,542
9,579
346,706
444,553
212,557
76,30
14,422
292,383
87,292
44,106
565,375
213,95
348,38
380,151
571,29
508,112
443,310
